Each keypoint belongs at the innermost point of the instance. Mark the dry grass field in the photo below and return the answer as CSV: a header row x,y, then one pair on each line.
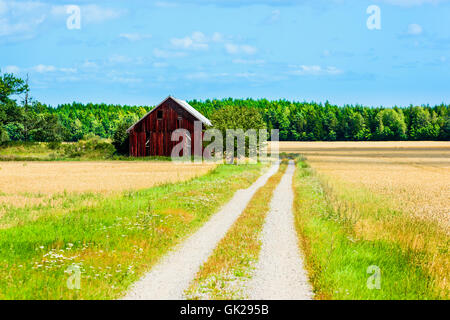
x,y
20,180
394,193
416,175
35,183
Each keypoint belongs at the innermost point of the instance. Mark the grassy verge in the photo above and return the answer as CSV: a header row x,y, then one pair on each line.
x,y
348,234
112,240
232,261
89,149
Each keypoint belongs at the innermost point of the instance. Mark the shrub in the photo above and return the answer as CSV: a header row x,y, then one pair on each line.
x,y
92,147
120,137
4,136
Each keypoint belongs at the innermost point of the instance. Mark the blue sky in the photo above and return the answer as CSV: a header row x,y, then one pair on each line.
x,y
138,52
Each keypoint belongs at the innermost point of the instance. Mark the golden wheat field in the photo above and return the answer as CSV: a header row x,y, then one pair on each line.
x,y
19,179
415,174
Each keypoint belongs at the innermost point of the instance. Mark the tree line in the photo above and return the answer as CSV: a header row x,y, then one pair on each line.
x,y
310,121
30,120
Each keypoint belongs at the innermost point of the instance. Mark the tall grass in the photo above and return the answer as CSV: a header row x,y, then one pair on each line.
x,y
344,232
91,148
112,239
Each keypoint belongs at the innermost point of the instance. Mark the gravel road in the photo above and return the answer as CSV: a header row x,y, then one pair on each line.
x,y
173,274
279,273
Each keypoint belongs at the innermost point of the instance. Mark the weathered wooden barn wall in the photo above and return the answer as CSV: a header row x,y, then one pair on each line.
x,y
159,131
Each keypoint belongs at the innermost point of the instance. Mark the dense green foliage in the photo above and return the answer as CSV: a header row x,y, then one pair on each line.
x,y
297,121
303,121
235,117
120,136
9,85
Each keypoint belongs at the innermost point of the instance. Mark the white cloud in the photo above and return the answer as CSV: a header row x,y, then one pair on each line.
x,y
414,29
198,76
199,41
217,37
245,75
89,65
68,79
68,70
116,58
196,41
11,69
42,68
160,64
243,61
133,37
333,70
165,4
90,13
248,49
3,7
410,3
273,17
20,19
232,48
18,8
168,54
204,76
314,70
126,80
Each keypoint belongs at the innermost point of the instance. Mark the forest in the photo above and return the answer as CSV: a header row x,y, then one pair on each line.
x,y
25,119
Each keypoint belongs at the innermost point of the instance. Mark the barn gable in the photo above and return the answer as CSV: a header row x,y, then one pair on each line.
x,y
183,104
151,135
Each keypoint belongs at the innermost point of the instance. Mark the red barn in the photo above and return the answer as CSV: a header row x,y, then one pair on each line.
x,y
151,135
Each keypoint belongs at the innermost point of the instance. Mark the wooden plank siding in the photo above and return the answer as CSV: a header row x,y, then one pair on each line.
x,y
159,131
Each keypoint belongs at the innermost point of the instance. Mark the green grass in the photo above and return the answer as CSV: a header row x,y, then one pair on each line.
x,y
338,258
89,149
92,149
231,263
114,239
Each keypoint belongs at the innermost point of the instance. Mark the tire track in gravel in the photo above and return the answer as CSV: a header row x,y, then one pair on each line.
x,y
279,272
172,275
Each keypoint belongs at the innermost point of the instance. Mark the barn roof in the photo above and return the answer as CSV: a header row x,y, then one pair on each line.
x,y
186,106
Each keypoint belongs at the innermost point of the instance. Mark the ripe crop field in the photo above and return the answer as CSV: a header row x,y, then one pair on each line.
x,y
29,184
115,220
414,174
98,177
392,194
